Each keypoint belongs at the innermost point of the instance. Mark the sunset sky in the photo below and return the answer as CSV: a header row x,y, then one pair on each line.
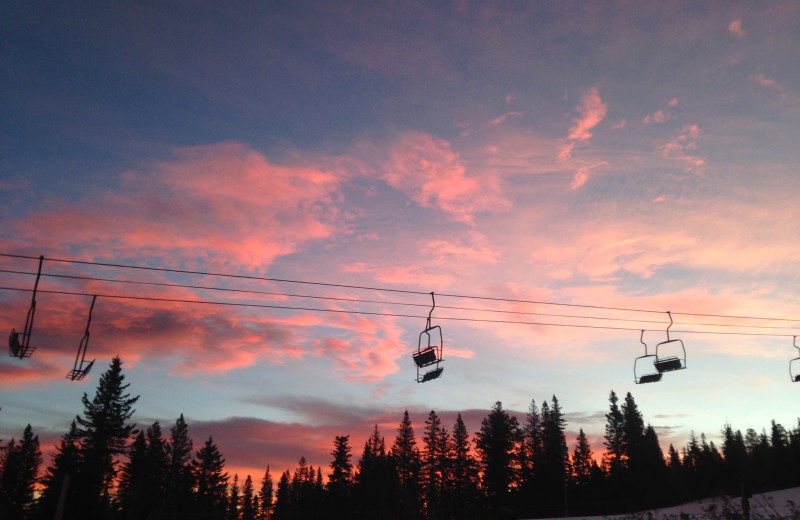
x,y
617,159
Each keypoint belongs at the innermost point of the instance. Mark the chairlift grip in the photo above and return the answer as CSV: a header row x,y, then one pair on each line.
x,y
641,340
26,334
84,345
670,324
428,322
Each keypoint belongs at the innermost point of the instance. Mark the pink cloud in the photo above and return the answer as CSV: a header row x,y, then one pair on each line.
x,y
582,175
681,149
591,111
449,251
415,275
657,117
432,175
766,82
501,119
221,204
735,27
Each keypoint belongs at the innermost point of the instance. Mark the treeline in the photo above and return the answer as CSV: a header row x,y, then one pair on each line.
x,y
104,468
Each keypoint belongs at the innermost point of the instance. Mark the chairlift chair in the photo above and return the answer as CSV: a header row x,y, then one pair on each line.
x,y
670,362
19,343
794,365
429,350
644,370
81,368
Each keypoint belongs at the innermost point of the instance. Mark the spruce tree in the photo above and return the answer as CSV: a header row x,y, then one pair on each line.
x,y
57,480
282,507
249,501
497,443
582,482
464,471
635,479
233,500
178,479
406,461
340,479
615,458
20,468
132,496
435,466
375,480
555,462
653,471
582,461
531,453
211,482
266,495
104,431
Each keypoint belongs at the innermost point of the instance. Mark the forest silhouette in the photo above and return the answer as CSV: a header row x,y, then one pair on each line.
x,y
106,468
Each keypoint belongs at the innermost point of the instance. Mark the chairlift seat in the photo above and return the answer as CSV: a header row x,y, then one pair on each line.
x,y
797,378
650,378
16,348
433,374
426,357
76,374
668,364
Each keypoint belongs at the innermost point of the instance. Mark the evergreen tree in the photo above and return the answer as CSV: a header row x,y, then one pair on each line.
x,y
20,466
178,481
59,476
406,461
301,487
211,482
340,480
375,480
134,479
233,500
497,443
266,495
794,454
779,456
677,479
464,472
555,461
615,458
582,461
435,466
249,501
653,470
104,431
735,464
531,453
635,479
282,505
583,476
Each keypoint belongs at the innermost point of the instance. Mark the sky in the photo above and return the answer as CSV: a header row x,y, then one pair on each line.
x,y
582,167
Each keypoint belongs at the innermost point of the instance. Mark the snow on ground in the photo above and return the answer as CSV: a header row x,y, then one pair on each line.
x,y
775,505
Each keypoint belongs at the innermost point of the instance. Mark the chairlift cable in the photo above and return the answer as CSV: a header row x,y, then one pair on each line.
x,y
384,314
381,302
385,289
